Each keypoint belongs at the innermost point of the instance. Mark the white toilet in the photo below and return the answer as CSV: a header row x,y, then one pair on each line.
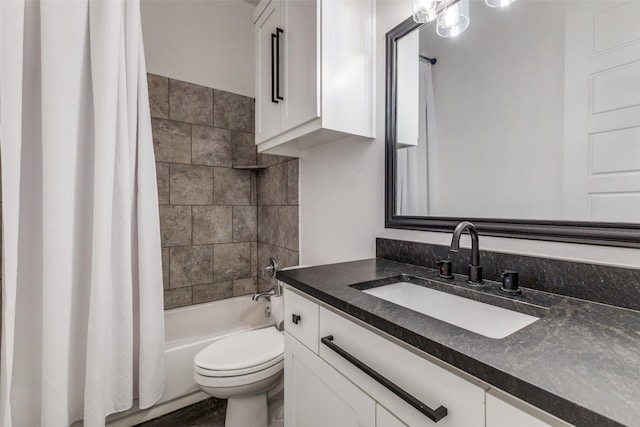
x,y
243,368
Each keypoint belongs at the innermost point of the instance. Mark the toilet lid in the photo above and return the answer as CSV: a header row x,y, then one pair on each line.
x,y
241,351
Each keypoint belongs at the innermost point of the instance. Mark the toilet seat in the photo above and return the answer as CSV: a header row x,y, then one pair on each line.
x,y
241,354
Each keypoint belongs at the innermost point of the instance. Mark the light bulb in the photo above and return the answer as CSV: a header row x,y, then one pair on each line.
x,y
454,19
498,3
424,10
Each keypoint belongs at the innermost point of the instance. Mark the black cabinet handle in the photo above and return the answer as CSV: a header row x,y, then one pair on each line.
x,y
434,415
273,71
278,32
295,318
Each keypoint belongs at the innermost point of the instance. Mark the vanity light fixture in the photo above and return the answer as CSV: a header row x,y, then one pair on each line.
x,y
425,10
452,15
498,3
454,19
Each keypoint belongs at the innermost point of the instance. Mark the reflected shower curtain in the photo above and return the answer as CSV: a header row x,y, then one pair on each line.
x,y
82,330
414,163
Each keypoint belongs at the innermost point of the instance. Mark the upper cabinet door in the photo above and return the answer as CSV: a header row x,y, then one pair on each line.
x,y
323,76
267,104
300,63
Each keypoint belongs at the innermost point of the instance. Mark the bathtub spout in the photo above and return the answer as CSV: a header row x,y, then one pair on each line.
x,y
266,294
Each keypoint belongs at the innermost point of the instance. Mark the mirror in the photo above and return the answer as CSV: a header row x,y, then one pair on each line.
x,y
528,122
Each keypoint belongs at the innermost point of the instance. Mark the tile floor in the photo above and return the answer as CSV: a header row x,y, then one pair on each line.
x,y
208,413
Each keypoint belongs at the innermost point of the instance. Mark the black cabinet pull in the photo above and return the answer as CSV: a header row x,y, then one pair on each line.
x,y
273,70
434,415
295,318
278,32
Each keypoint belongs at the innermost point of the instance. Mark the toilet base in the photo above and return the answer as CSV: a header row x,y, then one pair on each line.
x,y
243,411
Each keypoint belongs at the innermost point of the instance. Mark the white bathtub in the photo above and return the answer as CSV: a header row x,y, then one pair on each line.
x,y
187,331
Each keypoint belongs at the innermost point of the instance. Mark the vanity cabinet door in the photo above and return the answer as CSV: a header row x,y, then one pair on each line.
x,y
503,414
385,418
316,395
301,319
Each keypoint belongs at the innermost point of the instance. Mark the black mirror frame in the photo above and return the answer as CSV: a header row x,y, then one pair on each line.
x,y
593,233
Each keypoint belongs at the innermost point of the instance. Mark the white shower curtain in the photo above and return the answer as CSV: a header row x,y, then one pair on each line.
x,y
415,166
82,330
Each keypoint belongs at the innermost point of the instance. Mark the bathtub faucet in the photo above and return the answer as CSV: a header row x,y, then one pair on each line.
x,y
267,294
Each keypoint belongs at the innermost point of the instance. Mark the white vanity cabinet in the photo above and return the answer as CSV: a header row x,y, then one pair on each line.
x,y
333,366
501,413
314,72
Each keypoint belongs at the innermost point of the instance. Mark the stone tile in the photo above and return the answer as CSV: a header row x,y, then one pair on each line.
x,y
267,224
212,224
264,285
165,268
254,259
268,159
293,171
175,225
266,251
211,146
190,103
191,185
179,297
191,265
287,227
162,175
231,111
231,186
171,141
254,187
253,116
272,185
243,148
272,159
158,96
245,223
231,261
212,292
245,286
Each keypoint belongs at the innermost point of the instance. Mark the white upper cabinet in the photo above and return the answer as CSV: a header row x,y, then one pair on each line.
x,y
314,73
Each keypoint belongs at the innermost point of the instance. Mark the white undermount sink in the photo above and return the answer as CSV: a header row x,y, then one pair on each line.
x,y
474,316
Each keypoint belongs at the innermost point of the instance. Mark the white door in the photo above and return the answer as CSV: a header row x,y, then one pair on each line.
x,y
602,111
299,56
267,110
316,395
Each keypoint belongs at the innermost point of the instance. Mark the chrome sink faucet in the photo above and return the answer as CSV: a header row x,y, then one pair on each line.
x,y
475,270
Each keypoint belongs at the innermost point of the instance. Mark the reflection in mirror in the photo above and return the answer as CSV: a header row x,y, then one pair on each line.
x,y
532,113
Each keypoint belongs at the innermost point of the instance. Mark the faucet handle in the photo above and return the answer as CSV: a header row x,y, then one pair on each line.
x,y
510,282
271,269
446,266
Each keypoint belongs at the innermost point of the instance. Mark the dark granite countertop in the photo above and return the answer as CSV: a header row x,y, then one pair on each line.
x,y
579,362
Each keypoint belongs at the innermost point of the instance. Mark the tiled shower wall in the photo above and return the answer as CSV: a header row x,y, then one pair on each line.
x,y
214,241
277,214
208,210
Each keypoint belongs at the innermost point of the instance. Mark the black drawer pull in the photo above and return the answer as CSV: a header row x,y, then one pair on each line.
x,y
434,415
278,32
295,318
273,68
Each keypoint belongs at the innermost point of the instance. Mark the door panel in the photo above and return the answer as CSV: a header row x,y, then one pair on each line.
x,y
602,112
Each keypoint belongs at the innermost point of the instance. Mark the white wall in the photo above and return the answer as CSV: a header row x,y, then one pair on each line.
x,y
499,105
207,42
342,194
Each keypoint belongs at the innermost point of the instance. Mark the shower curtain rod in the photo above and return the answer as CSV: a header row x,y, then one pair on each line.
x,y
425,58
